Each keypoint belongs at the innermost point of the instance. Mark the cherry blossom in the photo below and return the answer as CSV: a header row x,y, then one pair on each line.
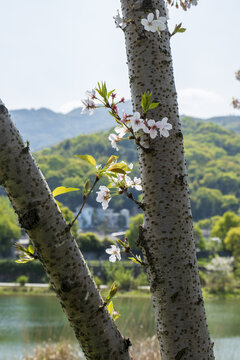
x,y
103,196
154,25
119,21
91,94
129,165
161,26
136,183
153,128
149,23
236,103
114,251
164,127
121,131
114,140
136,121
124,118
88,105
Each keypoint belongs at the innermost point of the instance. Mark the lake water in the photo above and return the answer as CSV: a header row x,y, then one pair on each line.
x,y
26,321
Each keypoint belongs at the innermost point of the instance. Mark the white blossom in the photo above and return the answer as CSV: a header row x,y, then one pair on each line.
x,y
88,105
121,131
136,183
103,196
136,121
164,127
119,21
221,264
128,180
129,165
153,128
114,140
154,25
91,94
149,23
114,251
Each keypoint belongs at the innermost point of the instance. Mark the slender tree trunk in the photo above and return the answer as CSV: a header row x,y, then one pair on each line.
x,y
166,238
40,216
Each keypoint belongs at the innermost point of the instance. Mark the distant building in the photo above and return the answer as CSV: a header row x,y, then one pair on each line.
x,y
91,218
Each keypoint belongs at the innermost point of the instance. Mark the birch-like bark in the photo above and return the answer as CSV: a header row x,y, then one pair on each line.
x,y
166,239
40,216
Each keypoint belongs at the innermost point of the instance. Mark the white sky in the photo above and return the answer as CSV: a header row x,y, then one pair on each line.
x,y
54,50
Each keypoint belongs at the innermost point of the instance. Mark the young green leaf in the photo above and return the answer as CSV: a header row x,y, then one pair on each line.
x,y
86,187
110,307
115,316
62,190
111,160
90,159
120,166
134,260
31,249
110,93
112,292
153,106
24,260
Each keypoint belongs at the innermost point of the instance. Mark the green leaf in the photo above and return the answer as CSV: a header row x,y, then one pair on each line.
x,y
133,260
111,160
119,166
62,190
24,260
178,28
90,159
110,93
121,243
115,316
110,307
31,249
119,171
153,106
86,187
112,292
146,101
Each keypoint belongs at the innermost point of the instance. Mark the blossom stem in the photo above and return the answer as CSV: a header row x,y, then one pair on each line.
x,y
85,198
130,196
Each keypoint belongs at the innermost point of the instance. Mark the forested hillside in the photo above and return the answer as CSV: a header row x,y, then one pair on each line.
x,y
213,159
44,127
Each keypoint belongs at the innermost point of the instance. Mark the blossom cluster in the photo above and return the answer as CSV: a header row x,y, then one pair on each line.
x,y
137,124
155,23
221,264
121,182
236,103
88,103
185,4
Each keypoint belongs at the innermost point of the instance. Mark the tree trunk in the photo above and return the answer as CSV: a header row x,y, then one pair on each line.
x,y
41,218
166,239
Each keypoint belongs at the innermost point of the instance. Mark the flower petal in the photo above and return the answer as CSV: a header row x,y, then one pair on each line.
x,y
150,17
112,258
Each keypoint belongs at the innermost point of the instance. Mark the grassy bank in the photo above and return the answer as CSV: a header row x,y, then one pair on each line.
x,y
38,291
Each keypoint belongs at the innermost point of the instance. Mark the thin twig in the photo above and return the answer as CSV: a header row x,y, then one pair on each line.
x,y
130,196
85,198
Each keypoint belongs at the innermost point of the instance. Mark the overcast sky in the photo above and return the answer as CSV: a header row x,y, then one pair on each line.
x,y
54,50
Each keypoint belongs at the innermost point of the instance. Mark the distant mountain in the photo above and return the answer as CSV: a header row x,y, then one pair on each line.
x,y
44,127
230,122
